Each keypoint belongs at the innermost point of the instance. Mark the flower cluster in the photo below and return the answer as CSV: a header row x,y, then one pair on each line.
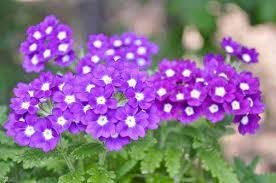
x,y
186,92
114,104
243,53
128,46
49,40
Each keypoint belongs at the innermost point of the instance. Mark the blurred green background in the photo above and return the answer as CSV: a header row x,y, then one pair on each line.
x,y
181,28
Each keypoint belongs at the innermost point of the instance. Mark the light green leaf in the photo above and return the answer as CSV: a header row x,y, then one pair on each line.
x,y
158,178
267,178
72,177
173,161
151,161
126,167
99,174
5,168
87,150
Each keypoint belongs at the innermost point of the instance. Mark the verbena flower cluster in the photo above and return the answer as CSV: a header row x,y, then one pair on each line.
x,y
128,47
49,40
111,97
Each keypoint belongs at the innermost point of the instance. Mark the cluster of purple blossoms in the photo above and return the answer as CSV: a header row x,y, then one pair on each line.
x,y
49,40
115,104
128,47
186,92
243,53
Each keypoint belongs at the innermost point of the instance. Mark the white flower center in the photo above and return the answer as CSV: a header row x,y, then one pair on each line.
x,y
97,43
199,80
161,92
132,82
130,121
246,57
137,42
235,105
115,135
180,96
195,94
100,100
102,120
89,87
31,93
25,105
169,73
49,30
141,62
189,111
95,59
86,69
47,53
86,108
116,58
62,35
21,119
213,108
229,49
45,86
65,58
244,86
220,91
244,120
117,43
141,50
33,47
29,131
34,60
37,35
60,87
47,134
186,73
107,79
109,52
223,75
139,96
251,103
69,99
61,121
167,108
130,56
63,47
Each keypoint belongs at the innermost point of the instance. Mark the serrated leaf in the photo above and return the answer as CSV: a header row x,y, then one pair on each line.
x,y
87,150
5,168
47,180
3,114
213,161
126,167
173,161
99,174
151,161
11,153
5,140
72,177
158,178
3,179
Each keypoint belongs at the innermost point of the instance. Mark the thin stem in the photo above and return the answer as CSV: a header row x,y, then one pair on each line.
x,y
163,135
228,58
102,157
67,159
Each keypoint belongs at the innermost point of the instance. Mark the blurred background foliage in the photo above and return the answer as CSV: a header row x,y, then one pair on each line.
x,y
180,27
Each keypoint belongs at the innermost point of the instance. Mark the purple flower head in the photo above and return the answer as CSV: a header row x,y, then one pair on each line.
x,y
178,94
247,123
162,89
189,113
247,84
116,41
168,69
132,79
23,90
248,55
85,87
115,142
154,117
101,125
132,123
61,120
62,33
231,47
10,124
212,62
65,60
66,98
43,85
63,48
35,33
220,90
29,47
97,42
255,103
33,63
186,70
213,111
24,105
167,110
49,24
105,76
239,105
76,127
195,94
101,100
85,66
45,138
227,72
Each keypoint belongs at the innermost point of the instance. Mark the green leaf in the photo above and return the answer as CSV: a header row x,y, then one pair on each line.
x,y
158,178
3,114
267,178
4,139
11,153
126,167
72,177
151,161
5,168
3,179
214,162
99,174
173,161
47,180
87,150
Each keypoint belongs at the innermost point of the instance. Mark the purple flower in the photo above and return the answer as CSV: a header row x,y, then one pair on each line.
x,y
220,90
62,33
10,124
63,48
106,76
255,103
239,105
167,110
231,47
76,127
66,98
213,111
35,33
189,113
212,62
85,87
79,111
132,80
186,70
132,123
49,24
101,100
29,47
45,138
101,125
61,120
115,142
23,90
33,63
248,55
178,94
43,85
195,94
162,89
98,41
154,117
142,96
247,123
168,69
24,105
85,66
247,84
65,60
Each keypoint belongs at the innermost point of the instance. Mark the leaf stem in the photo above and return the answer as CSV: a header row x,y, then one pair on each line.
x,y
102,157
66,158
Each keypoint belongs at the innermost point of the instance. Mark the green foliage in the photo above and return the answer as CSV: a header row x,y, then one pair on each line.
x,y
151,161
99,174
173,161
72,177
